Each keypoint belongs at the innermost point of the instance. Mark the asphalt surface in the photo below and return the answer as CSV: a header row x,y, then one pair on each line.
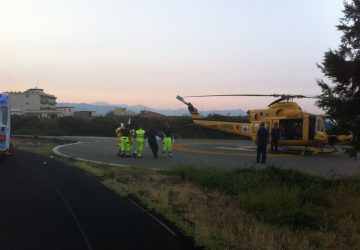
x,y
226,154
54,206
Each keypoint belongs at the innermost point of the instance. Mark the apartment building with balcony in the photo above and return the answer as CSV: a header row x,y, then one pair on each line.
x,y
33,102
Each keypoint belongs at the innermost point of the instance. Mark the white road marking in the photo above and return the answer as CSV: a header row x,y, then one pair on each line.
x,y
57,152
242,148
56,149
152,216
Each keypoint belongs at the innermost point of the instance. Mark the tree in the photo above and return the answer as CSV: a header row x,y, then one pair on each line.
x,y
341,98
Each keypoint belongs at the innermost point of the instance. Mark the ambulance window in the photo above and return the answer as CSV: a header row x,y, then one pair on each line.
x,y
3,115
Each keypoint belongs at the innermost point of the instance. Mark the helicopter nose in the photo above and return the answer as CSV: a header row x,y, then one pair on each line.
x,y
344,138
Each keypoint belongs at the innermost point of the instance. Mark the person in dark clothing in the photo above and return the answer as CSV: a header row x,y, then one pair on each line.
x,y
275,137
262,138
151,135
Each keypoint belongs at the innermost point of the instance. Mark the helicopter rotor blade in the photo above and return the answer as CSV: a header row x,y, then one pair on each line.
x,y
312,97
274,95
286,96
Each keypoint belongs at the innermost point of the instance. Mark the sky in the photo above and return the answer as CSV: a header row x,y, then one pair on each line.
x,y
147,52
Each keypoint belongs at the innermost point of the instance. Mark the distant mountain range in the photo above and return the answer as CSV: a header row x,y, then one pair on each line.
x,y
102,108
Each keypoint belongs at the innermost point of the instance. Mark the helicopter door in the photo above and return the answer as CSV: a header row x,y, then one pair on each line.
x,y
312,127
319,124
273,124
320,134
255,128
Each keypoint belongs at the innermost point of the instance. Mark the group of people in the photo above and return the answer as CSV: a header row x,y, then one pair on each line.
x,y
128,137
262,139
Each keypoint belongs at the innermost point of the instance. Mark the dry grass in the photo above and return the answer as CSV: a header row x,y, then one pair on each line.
x,y
40,146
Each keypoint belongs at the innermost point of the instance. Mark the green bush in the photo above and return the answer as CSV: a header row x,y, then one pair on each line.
x,y
276,196
105,126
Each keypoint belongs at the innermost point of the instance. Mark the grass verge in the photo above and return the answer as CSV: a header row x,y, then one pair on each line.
x,y
248,208
37,145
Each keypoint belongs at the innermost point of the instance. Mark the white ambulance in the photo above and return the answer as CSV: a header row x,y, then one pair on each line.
x,y
5,144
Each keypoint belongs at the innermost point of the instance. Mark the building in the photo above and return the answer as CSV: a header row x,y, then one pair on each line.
x,y
33,102
122,112
84,114
50,114
65,111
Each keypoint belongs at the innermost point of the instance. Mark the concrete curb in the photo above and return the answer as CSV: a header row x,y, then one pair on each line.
x,y
57,152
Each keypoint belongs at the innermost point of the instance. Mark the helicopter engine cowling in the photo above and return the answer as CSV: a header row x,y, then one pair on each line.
x,y
288,109
285,109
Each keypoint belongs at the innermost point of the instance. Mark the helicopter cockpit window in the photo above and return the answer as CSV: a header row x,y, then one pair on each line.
x,y
291,129
3,115
330,125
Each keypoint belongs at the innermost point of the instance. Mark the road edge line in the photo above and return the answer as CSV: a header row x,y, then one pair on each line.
x,y
57,152
153,217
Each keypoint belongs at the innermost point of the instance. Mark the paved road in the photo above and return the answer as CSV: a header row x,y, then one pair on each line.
x,y
210,153
54,206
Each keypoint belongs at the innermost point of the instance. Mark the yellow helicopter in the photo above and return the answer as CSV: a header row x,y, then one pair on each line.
x,y
298,128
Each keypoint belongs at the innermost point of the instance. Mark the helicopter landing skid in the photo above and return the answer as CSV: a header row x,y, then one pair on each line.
x,y
306,151
321,150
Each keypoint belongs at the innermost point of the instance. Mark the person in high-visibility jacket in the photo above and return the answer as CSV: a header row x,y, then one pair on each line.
x,y
140,141
167,140
125,142
118,133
